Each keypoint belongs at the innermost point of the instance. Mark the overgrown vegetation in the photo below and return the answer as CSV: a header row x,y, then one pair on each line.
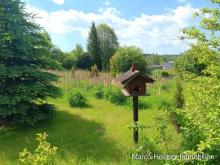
x,y
200,117
179,116
44,154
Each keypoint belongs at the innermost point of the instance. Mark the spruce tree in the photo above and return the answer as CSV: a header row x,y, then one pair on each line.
x,y
94,47
178,93
24,58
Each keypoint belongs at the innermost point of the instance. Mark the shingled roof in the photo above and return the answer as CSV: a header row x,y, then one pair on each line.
x,y
129,75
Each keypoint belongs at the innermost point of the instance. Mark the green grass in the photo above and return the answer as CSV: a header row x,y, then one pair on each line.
x,y
97,134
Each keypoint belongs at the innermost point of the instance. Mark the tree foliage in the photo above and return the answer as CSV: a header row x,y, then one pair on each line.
x,y
195,60
94,47
65,60
68,61
201,127
78,51
108,44
124,57
154,59
200,123
82,59
208,36
25,54
57,54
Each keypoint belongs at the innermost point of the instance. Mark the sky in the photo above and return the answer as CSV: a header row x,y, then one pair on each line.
x,y
152,25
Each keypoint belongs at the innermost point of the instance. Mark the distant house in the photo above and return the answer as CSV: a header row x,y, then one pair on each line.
x,y
167,66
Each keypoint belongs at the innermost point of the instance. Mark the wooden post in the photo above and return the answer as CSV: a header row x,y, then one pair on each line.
x,y
135,118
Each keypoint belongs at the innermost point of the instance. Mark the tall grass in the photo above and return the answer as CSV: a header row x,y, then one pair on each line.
x,y
67,77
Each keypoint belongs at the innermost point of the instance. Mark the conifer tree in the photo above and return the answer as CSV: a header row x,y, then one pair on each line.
x,y
178,94
24,57
94,47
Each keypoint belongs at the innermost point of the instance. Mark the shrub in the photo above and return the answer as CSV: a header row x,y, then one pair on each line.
x,y
76,99
144,104
145,146
42,155
163,138
164,105
200,124
162,73
69,61
165,87
114,95
178,95
98,92
94,71
165,74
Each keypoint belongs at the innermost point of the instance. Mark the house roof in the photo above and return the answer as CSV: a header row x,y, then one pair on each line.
x,y
129,75
167,65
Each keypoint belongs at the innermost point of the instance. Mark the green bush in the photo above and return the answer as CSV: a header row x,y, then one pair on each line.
x,y
76,99
69,61
178,99
165,74
165,87
115,96
162,73
123,59
44,154
144,104
98,92
164,105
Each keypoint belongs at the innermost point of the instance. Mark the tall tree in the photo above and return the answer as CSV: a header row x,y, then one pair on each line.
x,y
78,51
195,60
94,46
108,44
82,59
124,57
208,36
25,54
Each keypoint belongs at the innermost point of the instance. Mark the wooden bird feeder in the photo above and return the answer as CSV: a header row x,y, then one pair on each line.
x,y
134,84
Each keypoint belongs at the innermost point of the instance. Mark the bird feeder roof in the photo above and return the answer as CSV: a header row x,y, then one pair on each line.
x,y
130,75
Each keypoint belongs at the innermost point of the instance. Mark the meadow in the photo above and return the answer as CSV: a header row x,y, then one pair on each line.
x,y
99,132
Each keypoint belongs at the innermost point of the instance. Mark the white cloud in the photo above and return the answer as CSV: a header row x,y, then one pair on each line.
x,y
59,2
152,33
